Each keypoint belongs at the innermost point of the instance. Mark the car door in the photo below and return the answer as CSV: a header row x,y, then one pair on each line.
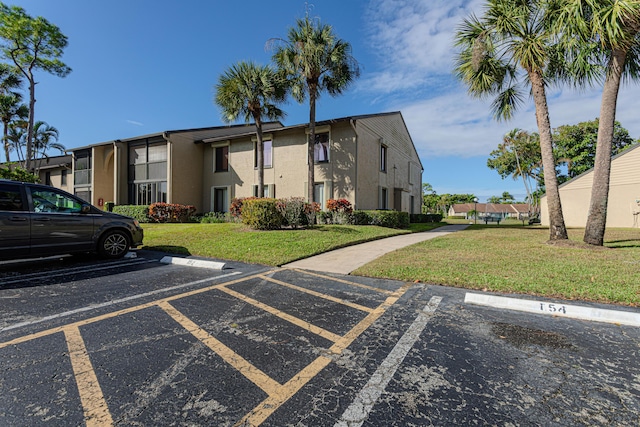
x,y
58,224
14,221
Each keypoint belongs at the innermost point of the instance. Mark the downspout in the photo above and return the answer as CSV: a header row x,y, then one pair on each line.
x,y
355,181
165,136
116,172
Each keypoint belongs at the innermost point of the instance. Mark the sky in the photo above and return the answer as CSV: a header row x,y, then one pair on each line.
x,y
146,66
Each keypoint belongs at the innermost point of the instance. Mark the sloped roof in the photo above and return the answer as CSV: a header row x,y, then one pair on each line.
x,y
196,134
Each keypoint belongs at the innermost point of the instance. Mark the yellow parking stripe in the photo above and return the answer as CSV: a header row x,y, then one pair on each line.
x,y
289,318
52,331
319,295
346,282
274,401
96,412
255,375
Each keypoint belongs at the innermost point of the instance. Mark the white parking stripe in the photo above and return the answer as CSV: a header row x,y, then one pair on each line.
x,y
358,412
117,301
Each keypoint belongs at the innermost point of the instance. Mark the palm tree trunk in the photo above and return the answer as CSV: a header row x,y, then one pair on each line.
x,y
312,140
597,219
5,140
32,102
557,229
260,154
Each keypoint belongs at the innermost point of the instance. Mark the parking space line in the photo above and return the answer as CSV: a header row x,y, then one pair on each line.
x,y
346,282
319,295
273,402
359,410
94,405
289,318
96,411
255,375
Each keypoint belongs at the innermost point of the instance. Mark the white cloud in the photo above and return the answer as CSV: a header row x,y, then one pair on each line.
x,y
413,40
133,122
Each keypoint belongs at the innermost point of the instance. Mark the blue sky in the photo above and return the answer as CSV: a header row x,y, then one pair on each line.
x,y
145,66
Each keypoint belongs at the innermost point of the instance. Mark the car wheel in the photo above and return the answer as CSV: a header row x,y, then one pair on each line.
x,y
113,244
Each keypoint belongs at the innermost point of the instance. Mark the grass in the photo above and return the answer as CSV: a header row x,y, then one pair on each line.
x,y
230,241
512,258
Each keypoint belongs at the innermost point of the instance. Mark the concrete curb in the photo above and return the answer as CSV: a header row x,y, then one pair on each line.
x,y
190,262
555,309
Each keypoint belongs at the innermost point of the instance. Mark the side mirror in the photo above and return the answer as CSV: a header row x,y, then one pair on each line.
x,y
85,209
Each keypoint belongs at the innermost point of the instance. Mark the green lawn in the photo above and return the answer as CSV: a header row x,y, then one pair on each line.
x,y
236,242
518,259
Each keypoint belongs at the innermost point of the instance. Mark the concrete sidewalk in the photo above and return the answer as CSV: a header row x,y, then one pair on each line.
x,y
345,260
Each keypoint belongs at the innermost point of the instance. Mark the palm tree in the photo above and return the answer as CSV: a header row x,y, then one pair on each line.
x,y
45,138
17,138
9,101
510,38
252,91
612,27
11,109
315,60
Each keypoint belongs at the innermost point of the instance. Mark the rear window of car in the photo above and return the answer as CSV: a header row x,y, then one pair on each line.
x,y
11,198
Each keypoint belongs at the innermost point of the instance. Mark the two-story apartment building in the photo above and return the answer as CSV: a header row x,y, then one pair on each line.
x,y
369,160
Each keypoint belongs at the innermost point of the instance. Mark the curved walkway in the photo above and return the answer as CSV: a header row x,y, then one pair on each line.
x,y
345,260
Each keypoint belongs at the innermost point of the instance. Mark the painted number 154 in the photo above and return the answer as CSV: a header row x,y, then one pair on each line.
x,y
553,308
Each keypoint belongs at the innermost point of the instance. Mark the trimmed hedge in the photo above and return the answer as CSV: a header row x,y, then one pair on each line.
x,y
139,212
389,219
422,218
261,214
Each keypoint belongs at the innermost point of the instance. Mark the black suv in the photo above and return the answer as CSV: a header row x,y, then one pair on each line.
x,y
38,220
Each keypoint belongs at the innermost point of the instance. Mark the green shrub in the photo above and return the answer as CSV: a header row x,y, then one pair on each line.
x,y
389,219
261,214
292,211
236,206
170,212
139,212
213,218
361,218
422,218
17,173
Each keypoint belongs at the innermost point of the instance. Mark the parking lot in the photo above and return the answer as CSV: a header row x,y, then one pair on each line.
x,y
137,342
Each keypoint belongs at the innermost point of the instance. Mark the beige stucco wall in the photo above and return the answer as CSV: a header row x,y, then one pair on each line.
x,y
404,171
56,178
102,175
289,166
185,172
624,190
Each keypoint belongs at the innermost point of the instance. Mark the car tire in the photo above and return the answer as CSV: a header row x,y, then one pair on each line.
x,y
113,244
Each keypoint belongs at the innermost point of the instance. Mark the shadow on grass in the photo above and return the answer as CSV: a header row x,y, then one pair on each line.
x,y
181,250
622,244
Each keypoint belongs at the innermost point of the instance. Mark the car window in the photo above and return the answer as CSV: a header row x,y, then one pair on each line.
x,y
10,198
53,201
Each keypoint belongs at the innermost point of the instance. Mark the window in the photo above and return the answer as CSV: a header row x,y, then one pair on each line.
x,y
383,202
82,174
220,203
147,172
10,198
267,153
269,191
383,158
318,194
321,148
63,177
221,159
53,201
47,178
